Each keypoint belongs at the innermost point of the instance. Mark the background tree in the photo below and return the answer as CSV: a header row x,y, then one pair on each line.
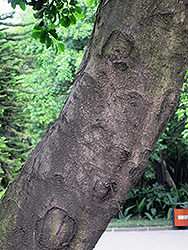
x,y
49,84
125,90
14,145
168,162
43,81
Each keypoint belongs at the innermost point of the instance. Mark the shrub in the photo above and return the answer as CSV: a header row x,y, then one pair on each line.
x,y
153,201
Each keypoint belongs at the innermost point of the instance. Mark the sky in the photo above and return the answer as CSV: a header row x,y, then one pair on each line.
x,y
5,7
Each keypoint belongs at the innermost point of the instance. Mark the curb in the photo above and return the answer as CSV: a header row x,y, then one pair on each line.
x,y
139,229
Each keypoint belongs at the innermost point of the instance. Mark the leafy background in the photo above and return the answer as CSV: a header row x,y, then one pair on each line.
x,y
35,83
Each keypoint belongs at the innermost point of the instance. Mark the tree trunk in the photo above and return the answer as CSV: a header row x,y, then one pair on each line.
x,y
125,91
162,174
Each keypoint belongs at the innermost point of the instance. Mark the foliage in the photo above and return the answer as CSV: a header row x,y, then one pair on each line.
x,y
182,111
2,193
50,15
14,145
47,86
35,84
153,202
49,79
172,147
46,91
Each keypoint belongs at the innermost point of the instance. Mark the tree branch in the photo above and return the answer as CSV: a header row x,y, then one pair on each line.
x,y
17,34
16,24
179,125
6,15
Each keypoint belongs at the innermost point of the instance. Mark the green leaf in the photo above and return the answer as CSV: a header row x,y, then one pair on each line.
x,y
48,41
65,11
169,214
127,210
78,9
22,5
61,47
148,215
90,2
13,3
128,217
54,33
36,34
65,21
73,2
95,2
43,36
72,19
38,27
56,49
38,15
149,204
79,15
53,45
141,205
120,215
53,10
59,38
170,198
153,211
2,193
52,26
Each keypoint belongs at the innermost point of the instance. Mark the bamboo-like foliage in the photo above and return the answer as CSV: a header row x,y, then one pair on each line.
x,y
14,145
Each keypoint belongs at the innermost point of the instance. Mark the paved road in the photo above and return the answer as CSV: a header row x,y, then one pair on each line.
x,y
148,240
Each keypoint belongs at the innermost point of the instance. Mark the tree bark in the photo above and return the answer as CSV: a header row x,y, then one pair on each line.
x,y
124,93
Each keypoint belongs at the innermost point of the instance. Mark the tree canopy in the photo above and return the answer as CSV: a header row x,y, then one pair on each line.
x,y
50,14
47,79
39,84
124,93
14,144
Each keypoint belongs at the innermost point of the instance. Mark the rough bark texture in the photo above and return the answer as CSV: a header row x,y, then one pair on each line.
x,y
126,89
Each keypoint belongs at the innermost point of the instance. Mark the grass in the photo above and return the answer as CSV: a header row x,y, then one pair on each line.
x,y
136,222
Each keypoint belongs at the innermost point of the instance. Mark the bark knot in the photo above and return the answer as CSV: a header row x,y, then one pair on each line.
x,y
56,229
102,189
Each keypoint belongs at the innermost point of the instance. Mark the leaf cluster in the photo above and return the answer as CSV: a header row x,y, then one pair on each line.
x,y
14,146
35,83
182,111
50,15
153,202
173,143
48,83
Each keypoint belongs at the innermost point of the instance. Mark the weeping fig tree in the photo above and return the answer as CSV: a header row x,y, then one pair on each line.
x,y
124,93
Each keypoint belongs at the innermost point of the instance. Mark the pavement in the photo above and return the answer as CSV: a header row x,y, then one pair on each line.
x,y
146,238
